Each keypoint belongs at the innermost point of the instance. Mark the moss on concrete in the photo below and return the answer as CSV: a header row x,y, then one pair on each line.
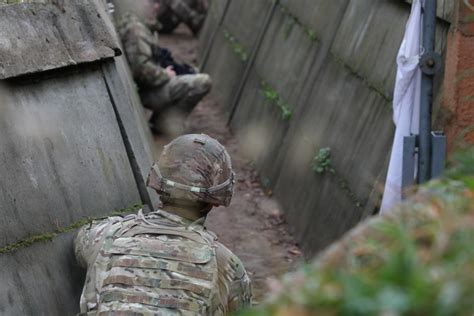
x,y
49,236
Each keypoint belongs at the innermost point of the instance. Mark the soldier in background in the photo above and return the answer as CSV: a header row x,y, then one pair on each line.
x,y
170,90
166,262
190,12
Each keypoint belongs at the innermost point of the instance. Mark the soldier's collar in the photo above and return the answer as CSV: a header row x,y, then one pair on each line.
x,y
180,220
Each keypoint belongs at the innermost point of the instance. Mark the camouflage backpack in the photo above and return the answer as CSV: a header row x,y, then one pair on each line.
x,y
150,265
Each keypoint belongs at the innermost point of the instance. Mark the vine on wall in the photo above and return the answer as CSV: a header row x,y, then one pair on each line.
x,y
237,48
274,98
49,236
322,164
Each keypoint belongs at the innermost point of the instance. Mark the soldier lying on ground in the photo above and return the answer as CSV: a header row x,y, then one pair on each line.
x,y
168,92
166,262
190,12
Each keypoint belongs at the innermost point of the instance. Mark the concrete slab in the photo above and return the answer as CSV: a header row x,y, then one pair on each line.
x,y
207,35
245,19
37,37
63,156
132,118
356,126
320,16
226,68
280,65
41,280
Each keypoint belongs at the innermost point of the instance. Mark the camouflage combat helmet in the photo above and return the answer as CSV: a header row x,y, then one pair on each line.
x,y
5,2
193,167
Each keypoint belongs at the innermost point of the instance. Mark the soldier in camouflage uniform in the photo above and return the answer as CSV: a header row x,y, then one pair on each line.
x,y
166,262
173,12
161,89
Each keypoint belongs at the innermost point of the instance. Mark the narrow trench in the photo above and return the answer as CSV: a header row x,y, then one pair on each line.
x,y
253,226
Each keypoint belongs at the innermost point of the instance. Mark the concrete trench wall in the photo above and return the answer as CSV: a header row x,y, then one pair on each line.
x,y
74,145
320,74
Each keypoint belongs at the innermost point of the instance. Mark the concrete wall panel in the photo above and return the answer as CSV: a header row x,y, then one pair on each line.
x,y
135,126
63,157
359,116
45,38
226,68
246,19
43,279
332,63
316,14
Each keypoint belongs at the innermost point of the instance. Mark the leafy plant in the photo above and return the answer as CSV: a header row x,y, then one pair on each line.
x,y
322,161
274,98
237,48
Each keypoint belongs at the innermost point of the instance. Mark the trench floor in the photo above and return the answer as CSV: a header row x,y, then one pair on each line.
x,y
253,226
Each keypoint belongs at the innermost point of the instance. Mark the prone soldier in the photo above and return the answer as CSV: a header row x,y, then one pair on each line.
x,y
166,262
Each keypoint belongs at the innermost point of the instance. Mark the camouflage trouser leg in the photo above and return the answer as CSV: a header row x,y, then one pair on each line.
x,y
175,100
190,12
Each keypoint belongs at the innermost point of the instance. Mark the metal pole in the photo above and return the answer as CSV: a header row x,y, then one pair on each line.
x,y
428,61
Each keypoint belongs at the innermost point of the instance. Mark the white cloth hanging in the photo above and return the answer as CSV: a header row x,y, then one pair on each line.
x,y
406,103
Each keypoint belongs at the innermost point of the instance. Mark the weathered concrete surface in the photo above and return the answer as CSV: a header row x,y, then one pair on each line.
x,y
332,64
131,117
43,279
222,58
215,15
37,37
63,157
233,44
74,145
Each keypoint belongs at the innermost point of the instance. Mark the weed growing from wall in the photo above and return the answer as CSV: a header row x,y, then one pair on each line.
x,y
237,48
274,98
293,20
322,161
322,164
49,236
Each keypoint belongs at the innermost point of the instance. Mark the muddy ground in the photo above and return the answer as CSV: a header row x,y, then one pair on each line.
x,y
253,226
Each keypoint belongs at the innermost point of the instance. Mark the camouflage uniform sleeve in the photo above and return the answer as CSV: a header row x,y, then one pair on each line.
x,y
86,245
138,42
235,286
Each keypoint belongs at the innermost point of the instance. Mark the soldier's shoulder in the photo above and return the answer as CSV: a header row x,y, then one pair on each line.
x,y
229,263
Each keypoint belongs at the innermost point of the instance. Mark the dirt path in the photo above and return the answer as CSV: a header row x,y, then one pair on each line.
x,y
253,226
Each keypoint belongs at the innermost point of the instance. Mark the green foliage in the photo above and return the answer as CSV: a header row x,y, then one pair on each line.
x,y
237,48
419,260
322,161
322,164
274,98
292,21
462,167
49,236
311,34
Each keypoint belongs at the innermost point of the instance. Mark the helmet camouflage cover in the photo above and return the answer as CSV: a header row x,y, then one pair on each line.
x,y
193,167
3,2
